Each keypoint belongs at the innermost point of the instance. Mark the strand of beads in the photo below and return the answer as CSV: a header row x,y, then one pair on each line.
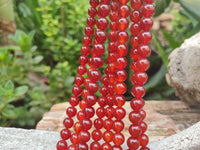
x,y
79,80
121,75
140,40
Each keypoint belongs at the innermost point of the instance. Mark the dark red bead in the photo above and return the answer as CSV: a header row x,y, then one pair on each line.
x,y
135,29
96,135
94,75
81,70
94,3
86,124
136,4
145,37
89,31
146,24
123,24
92,12
80,115
84,136
118,126
104,91
108,136
144,140
108,124
143,126
122,49
100,112
82,146
114,6
118,139
105,2
68,122
144,51
124,11
82,104
65,134
138,91
85,50
119,100
87,41
149,1
121,75
89,112
71,111
121,63
83,60
95,146
76,90
105,81
97,62
112,47
106,146
135,16
144,148
100,36
102,23
72,147
79,80
137,104
99,49
133,143
119,113
102,101
142,64
135,118
114,26
110,99
139,78
142,113
114,16
103,10
135,131
120,88
91,21
74,100
74,138
113,38
109,112
148,10
61,145
98,123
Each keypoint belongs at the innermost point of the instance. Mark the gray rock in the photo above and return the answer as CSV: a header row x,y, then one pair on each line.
x,y
184,71
21,139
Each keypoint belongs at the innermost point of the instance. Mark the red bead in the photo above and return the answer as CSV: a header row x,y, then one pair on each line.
x,y
85,92
76,90
99,49
137,104
122,49
94,3
136,4
77,127
114,26
87,41
142,114
74,100
135,118
102,101
118,139
123,24
144,140
119,113
108,123
95,146
135,29
105,81
135,16
122,37
94,75
108,136
81,70
86,124
121,63
89,31
148,10
91,21
100,112
103,10
102,23
124,11
115,147
113,16
134,53
92,12
103,91
118,126
100,36
83,60
82,146
85,50
74,138
79,80
143,126
120,88
144,51
106,146
112,47
96,135
114,6
119,100
68,122
142,64
144,148
80,115
97,62
61,145
139,78
110,99
121,75
134,41
112,36
138,91
135,131
146,24
89,112
109,112
82,104
98,123
123,1
65,134
145,37
72,147
71,111
149,1
105,2
133,143
84,136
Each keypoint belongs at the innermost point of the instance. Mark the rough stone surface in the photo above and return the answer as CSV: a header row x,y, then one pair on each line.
x,y
184,71
20,139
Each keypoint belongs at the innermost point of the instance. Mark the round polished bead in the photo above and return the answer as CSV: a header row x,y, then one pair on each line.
x,y
105,2
68,122
96,135
120,88
85,50
108,136
81,70
119,100
143,126
89,31
104,81
149,1
92,12
124,11
115,147
100,36
137,104
146,24
109,112
145,37
65,134
144,148
61,145
108,124
122,49
89,112
95,146
114,26
135,29
142,113
87,41
136,4
71,111
144,51
121,63
79,80
102,23
86,124
74,100
138,91
122,37
133,143
100,112
106,146
72,147
118,126
74,138
97,62
134,41
134,53
94,3
118,139
135,118
142,64
135,131
144,140
112,46
123,1
114,5
119,113
148,10
84,136
139,78
98,123
110,99
77,127
92,87
102,101
104,91
91,21
99,49
121,75
94,75
123,24
113,37
80,115
83,60
82,104
103,10
135,16
82,146
76,90
113,16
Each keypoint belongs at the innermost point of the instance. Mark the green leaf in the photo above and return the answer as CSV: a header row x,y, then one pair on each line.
x,y
21,90
9,112
37,59
160,6
24,9
9,85
173,44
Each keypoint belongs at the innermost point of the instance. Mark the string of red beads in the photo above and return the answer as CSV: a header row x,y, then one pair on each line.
x,y
141,15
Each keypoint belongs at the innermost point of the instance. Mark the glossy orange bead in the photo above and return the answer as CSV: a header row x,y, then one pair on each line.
x,y
74,138
121,63
108,136
72,147
82,146
82,104
118,139
122,37
118,126
124,11
119,100
77,127
110,99
134,54
97,62
142,64
123,24
134,41
120,88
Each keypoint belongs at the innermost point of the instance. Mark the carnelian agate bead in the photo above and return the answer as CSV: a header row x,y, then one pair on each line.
x,y
121,75
82,146
144,50
82,104
115,147
119,113
80,115
99,49
137,104
123,1
123,24
119,100
135,118
122,49
144,140
94,3
135,29
143,126
135,131
85,50
81,70
96,135
92,12
103,10
133,143
114,6
120,88
146,24
91,21
148,10
76,90
138,91
100,112
86,124
65,134
139,78
122,37
124,11
134,53
145,37
95,146
71,111
105,2
68,122
118,139
84,136
142,113
102,23
121,63
113,16
118,126
109,111
61,145
79,80
102,101
108,123
77,127
98,123
149,1
100,36
74,100
108,136
83,60
134,41
89,112
136,4
72,147
106,146
74,138
135,16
